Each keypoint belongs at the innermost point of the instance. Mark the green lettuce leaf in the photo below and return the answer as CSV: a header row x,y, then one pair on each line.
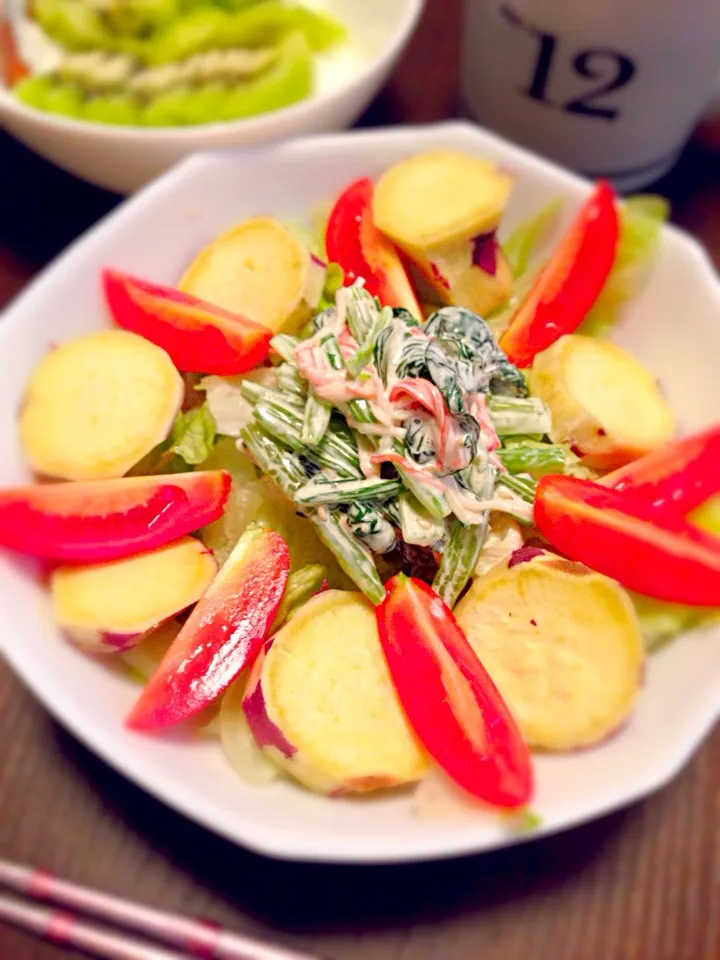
x,y
660,621
193,435
521,248
334,279
499,318
142,661
307,237
641,220
301,586
320,216
525,240
191,441
314,240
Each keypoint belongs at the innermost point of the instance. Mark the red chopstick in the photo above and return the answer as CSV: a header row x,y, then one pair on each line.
x,y
68,930
193,937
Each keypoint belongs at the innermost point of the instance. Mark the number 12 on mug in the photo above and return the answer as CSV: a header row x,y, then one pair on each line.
x,y
592,85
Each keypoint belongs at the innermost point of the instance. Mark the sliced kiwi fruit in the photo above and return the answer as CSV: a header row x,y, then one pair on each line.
x,y
96,71
137,17
288,80
162,62
208,87
73,24
116,108
33,90
163,31
66,99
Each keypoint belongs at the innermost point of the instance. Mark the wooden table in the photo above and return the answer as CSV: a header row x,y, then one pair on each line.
x,y
642,884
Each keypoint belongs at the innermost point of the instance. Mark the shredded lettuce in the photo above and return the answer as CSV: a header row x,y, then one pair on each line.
x,y
314,239
238,744
499,318
256,499
307,237
227,456
641,220
301,586
660,621
230,410
520,249
334,279
320,216
142,661
525,240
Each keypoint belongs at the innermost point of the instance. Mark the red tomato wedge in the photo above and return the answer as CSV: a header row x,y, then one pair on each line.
x,y
199,337
353,241
569,284
223,635
450,700
93,521
676,478
613,532
12,67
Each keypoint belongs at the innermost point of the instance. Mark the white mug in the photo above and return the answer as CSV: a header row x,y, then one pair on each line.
x,y
611,88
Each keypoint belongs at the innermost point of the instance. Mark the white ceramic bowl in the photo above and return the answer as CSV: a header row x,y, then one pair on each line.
x,y
673,327
125,158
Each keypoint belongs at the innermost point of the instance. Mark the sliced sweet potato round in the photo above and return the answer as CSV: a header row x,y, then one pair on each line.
x,y
322,703
109,607
260,270
602,400
439,197
98,404
562,644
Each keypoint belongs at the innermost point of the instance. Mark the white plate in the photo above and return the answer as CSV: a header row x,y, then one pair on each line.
x,y
673,328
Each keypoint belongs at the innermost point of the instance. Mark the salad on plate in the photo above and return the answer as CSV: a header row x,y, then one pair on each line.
x,y
376,503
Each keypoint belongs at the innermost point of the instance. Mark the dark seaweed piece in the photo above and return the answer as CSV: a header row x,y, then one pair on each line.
x,y
422,358
420,439
453,377
413,357
492,371
471,436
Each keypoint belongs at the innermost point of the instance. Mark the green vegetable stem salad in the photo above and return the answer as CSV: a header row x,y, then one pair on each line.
x,y
422,404
171,62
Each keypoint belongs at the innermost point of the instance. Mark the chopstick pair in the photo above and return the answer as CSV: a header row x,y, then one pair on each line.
x,y
190,937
